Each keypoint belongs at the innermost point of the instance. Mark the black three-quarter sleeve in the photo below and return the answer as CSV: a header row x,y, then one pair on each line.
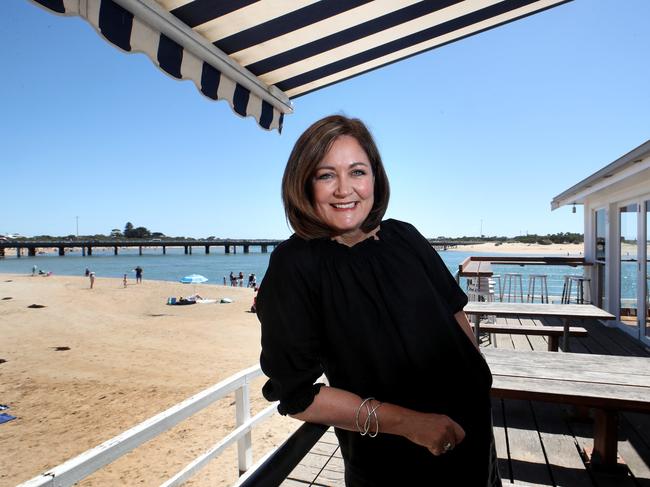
x,y
445,283
288,312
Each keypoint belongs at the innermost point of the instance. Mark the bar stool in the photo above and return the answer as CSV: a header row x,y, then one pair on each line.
x,y
543,288
480,289
510,280
493,281
580,289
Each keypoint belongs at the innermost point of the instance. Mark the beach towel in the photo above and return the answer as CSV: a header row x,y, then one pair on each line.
x,y
4,417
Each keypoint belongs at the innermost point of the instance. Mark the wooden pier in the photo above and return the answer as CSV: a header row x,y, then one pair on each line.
x,y
31,247
537,443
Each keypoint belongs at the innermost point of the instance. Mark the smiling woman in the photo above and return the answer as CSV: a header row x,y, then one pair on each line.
x,y
335,161
370,304
344,189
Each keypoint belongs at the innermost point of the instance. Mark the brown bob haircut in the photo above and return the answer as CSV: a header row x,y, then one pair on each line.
x,y
307,153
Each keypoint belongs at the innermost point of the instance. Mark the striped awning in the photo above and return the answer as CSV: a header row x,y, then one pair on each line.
x,y
258,55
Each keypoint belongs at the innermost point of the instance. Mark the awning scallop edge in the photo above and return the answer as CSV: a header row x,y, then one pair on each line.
x,y
177,51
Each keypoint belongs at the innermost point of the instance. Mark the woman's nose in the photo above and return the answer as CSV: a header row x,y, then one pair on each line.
x,y
343,187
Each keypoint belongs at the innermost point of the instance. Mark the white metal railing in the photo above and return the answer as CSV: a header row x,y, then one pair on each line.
x,y
91,460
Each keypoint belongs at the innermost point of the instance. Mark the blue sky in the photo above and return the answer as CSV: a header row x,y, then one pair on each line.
x,y
479,134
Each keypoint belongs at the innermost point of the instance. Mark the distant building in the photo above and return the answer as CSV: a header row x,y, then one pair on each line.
x,y
616,203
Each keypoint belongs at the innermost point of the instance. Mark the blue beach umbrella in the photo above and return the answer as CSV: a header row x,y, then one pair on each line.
x,y
194,279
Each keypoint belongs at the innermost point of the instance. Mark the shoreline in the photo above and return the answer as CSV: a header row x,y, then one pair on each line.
x,y
92,363
518,248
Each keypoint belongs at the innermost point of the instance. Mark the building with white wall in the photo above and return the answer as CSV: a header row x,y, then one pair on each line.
x,y
616,203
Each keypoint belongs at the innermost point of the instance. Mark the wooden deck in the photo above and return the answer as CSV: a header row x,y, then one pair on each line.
x,y
537,443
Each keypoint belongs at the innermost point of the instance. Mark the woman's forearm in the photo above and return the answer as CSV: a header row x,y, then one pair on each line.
x,y
336,407
463,322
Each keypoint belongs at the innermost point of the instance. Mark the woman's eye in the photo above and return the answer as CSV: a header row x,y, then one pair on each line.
x,y
324,176
358,172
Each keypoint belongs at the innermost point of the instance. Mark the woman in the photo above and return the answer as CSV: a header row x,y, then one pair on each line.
x,y
408,390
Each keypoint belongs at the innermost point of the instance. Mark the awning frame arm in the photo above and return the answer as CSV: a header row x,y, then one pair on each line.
x,y
158,18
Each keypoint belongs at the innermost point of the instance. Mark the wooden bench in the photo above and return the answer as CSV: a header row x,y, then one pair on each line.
x,y
605,383
565,312
552,332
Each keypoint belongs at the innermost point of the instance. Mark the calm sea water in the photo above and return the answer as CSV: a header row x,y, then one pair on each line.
x,y
217,265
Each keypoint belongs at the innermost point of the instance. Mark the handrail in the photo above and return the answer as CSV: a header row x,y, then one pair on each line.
x,y
91,460
274,468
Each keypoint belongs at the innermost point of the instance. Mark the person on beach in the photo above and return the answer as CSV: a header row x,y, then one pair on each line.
x,y
91,277
252,280
87,273
34,269
409,391
124,281
138,275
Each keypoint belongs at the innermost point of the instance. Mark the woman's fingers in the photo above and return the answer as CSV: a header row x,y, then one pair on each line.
x,y
452,436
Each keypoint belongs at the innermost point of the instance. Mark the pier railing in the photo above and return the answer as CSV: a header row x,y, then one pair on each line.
x,y
488,266
85,464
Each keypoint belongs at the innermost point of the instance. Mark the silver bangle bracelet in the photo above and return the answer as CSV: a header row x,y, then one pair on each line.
x,y
371,413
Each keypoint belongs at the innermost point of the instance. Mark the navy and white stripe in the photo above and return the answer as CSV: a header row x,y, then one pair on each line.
x,y
295,46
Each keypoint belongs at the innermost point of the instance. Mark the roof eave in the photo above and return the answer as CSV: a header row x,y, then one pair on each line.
x,y
576,193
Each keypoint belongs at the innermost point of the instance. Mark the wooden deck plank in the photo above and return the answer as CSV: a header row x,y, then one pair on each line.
x,y
634,448
500,440
536,342
565,462
309,467
527,457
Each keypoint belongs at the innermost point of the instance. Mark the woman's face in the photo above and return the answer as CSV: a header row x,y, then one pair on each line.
x,y
343,186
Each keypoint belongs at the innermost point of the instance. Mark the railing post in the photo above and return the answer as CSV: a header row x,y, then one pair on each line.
x,y
243,414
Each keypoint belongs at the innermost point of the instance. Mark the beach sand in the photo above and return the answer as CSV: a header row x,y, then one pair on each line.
x,y
130,357
518,248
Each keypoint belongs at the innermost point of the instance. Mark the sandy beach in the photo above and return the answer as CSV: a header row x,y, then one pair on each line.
x,y
90,364
518,248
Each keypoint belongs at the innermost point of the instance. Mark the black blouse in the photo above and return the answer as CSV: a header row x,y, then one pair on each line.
x,y
378,319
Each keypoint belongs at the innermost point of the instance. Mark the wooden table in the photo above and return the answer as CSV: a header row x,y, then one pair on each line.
x,y
566,312
606,383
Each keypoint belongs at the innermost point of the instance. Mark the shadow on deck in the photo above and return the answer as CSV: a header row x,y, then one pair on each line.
x,y
537,443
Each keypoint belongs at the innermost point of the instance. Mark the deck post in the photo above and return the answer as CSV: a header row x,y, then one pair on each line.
x,y
83,251
246,248
164,249
207,249
140,250
226,249
18,253
190,247
115,250
264,249
2,252
242,415
31,251
61,251
186,252
90,251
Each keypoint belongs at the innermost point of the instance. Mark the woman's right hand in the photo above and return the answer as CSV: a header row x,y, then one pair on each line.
x,y
433,431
